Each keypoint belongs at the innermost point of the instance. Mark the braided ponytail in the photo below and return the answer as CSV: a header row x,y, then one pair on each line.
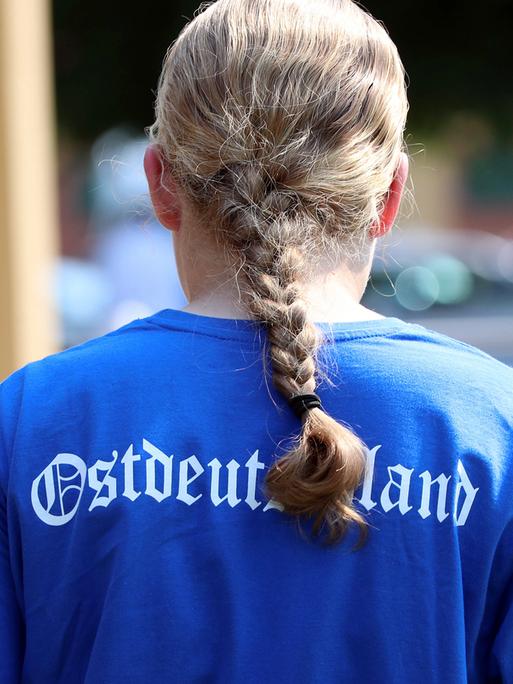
x,y
282,122
318,477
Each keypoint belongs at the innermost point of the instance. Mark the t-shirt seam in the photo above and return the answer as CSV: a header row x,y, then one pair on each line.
x,y
178,328
349,335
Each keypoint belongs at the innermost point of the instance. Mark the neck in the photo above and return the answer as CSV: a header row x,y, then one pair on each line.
x,y
332,293
223,309
330,299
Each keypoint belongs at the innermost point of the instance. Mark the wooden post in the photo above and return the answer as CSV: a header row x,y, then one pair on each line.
x,y
28,206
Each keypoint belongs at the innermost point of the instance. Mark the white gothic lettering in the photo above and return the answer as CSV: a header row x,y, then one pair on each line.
x,y
58,490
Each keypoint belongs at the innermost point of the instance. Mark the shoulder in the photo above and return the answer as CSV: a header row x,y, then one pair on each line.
x,y
414,364
66,387
38,383
446,357
436,352
90,357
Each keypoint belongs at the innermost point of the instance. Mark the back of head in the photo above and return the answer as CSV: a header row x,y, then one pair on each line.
x,y
282,121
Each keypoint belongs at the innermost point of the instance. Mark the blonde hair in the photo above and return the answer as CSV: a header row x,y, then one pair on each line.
x,y
283,120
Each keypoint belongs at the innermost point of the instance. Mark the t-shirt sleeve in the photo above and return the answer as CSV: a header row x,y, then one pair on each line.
x,y
502,651
11,623
10,618
501,655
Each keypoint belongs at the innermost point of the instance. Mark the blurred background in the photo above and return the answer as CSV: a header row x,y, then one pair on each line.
x,y
80,251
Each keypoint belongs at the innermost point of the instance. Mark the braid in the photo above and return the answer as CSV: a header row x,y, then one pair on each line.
x,y
282,121
317,478
274,299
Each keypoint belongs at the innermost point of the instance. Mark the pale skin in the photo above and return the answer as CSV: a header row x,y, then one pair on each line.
x,y
333,294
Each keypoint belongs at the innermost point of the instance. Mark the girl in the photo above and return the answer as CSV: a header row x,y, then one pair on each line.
x,y
274,484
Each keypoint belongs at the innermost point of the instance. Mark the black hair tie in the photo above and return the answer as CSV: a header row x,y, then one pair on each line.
x,y
300,403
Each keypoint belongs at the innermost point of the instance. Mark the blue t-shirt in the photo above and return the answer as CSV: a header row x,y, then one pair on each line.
x,y
136,544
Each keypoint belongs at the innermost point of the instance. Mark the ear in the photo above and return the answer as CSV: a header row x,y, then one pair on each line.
x,y
392,201
164,196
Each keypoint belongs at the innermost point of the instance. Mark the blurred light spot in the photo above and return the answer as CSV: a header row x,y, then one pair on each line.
x,y
417,288
83,293
505,261
127,311
455,280
481,255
